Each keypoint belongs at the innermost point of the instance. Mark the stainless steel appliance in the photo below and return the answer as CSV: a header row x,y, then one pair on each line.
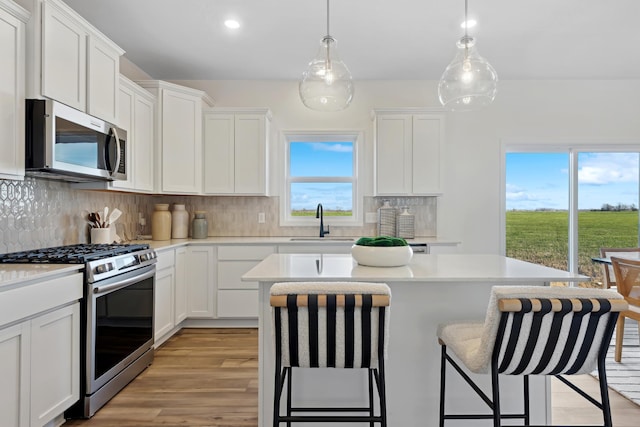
x,y
117,315
68,144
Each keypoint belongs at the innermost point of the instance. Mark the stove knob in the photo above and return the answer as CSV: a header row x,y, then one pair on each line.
x,y
103,268
144,257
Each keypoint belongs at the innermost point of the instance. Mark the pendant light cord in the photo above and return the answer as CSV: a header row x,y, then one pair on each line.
x,y
328,33
466,34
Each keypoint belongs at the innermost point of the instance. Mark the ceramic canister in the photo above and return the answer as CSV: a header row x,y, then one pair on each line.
x,y
179,222
200,227
161,222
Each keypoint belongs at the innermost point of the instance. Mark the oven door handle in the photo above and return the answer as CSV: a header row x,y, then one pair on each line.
x,y
123,283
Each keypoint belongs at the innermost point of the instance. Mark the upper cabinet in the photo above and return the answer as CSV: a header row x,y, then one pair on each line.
x,y
236,150
179,136
137,116
70,61
13,20
408,152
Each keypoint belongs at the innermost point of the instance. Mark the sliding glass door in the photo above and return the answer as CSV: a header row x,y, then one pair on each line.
x,y
563,205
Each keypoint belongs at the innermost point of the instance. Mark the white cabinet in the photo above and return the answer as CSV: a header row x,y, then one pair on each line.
x,y
236,146
137,117
201,276
408,152
39,350
55,362
178,156
69,60
238,299
163,320
318,248
180,294
14,371
13,20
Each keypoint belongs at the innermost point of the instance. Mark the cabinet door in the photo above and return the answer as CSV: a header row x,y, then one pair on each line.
x,y
181,143
143,134
125,121
218,146
12,88
180,300
230,274
64,53
14,371
250,154
163,307
201,282
55,363
103,77
393,154
240,303
426,154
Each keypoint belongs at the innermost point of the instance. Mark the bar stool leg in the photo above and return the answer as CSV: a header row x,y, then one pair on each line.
x,y
604,393
370,375
526,400
443,370
289,381
495,389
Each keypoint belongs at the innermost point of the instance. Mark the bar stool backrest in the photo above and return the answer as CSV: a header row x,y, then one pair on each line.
x,y
330,324
549,330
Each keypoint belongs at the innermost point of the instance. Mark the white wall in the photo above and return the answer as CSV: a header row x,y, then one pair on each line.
x,y
470,207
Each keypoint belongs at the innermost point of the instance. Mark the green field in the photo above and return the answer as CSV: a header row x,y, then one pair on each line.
x,y
542,236
308,212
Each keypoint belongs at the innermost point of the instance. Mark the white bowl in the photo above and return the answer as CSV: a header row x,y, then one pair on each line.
x,y
382,256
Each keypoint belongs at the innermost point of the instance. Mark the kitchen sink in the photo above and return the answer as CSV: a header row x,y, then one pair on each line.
x,y
321,239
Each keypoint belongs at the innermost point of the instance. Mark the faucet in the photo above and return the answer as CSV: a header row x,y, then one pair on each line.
x,y
319,214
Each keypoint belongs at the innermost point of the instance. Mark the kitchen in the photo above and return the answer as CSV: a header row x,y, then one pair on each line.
x,y
595,108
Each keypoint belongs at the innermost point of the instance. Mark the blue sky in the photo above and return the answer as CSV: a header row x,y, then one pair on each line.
x,y
319,159
540,180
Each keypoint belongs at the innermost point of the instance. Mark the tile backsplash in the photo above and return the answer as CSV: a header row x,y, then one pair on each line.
x,y
37,213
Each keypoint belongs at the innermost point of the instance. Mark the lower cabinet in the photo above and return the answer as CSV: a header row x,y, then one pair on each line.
x,y
170,305
40,367
201,267
235,298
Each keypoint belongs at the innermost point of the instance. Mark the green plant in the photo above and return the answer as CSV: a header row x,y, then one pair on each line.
x,y
381,241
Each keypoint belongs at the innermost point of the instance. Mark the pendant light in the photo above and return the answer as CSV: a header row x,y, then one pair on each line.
x,y
469,82
326,84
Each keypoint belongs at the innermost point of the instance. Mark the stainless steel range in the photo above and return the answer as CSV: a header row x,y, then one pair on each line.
x,y
117,315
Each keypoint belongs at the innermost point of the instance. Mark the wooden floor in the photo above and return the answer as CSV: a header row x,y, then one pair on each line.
x,y
209,377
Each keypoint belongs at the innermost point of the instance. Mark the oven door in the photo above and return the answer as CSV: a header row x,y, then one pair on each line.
x,y
119,324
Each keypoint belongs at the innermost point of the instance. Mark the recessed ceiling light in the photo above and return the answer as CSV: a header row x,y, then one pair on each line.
x,y
232,23
469,24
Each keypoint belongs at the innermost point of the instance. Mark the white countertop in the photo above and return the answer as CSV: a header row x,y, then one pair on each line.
x,y
11,274
423,268
280,240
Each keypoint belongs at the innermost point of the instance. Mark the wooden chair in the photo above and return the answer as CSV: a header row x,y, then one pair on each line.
x,y
533,330
339,325
627,274
609,277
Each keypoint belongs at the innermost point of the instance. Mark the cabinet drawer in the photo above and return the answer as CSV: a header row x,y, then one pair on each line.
x,y
238,303
230,274
27,300
166,259
324,248
247,253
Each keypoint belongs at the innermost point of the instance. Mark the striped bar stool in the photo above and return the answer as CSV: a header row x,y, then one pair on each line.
x,y
330,325
531,330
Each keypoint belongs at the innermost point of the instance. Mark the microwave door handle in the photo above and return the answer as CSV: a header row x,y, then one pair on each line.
x,y
117,165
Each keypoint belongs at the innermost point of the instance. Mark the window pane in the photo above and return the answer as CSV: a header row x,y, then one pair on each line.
x,y
321,159
608,206
537,201
336,198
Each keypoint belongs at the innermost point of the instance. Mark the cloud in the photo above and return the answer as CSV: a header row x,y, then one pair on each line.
x,y
334,147
608,168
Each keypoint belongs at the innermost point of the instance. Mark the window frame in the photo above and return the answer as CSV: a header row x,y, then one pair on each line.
x,y
352,136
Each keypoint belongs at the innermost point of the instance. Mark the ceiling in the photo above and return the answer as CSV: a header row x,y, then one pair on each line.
x,y
377,39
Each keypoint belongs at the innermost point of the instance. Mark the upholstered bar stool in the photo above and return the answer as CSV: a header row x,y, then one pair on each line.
x,y
533,330
339,325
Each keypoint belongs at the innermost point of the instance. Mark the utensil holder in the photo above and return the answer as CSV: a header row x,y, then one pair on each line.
x,y
101,235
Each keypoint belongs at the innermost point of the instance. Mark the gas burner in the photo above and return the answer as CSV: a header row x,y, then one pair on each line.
x,y
71,254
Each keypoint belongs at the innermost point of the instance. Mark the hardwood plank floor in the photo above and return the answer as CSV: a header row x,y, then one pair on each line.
x,y
209,377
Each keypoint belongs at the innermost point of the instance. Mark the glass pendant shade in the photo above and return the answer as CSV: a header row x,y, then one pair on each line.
x,y
469,82
326,84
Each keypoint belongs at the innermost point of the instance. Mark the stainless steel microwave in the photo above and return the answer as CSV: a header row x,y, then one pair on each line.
x,y
68,144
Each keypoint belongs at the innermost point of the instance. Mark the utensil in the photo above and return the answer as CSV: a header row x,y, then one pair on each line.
x,y
105,216
115,214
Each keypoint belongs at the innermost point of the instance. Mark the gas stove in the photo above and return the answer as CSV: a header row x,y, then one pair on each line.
x,y
70,254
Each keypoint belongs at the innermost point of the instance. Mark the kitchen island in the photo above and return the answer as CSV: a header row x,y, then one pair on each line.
x,y
432,289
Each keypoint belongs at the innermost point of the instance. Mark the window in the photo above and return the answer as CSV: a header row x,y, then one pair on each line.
x,y
563,205
321,168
